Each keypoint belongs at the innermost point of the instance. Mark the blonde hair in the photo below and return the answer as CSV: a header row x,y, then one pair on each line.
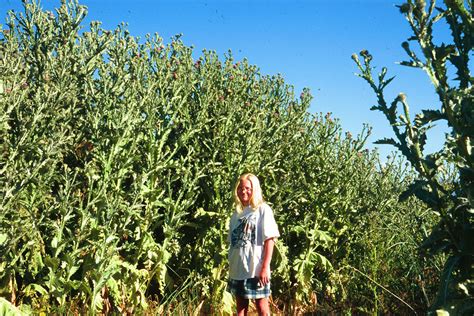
x,y
256,199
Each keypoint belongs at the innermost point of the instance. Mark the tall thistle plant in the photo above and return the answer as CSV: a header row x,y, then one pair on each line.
x,y
453,199
118,159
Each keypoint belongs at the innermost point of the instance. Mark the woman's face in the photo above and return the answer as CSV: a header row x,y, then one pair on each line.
x,y
244,192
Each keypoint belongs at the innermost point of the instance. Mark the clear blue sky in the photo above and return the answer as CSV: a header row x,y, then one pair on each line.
x,y
309,42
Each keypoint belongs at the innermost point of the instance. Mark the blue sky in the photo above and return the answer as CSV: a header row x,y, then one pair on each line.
x,y
309,42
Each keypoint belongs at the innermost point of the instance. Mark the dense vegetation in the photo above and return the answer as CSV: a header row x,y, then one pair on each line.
x,y
118,160
445,179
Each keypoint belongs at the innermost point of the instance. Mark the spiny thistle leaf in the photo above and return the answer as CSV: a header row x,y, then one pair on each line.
x,y
427,116
386,141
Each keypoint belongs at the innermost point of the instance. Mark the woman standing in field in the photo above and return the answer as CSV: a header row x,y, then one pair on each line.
x,y
252,234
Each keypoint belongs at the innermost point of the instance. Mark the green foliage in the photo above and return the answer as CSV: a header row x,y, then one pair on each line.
x,y
118,162
451,198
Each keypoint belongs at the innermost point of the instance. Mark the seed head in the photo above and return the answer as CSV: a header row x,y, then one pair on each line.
x,y
405,8
402,97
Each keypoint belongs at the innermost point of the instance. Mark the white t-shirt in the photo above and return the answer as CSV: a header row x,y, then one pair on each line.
x,y
247,234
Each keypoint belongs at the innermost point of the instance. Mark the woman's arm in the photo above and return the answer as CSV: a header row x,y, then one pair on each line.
x,y
267,258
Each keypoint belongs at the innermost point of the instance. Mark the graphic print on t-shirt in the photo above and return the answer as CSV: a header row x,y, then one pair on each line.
x,y
244,233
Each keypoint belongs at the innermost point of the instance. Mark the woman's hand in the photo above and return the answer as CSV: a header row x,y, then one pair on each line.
x,y
264,276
